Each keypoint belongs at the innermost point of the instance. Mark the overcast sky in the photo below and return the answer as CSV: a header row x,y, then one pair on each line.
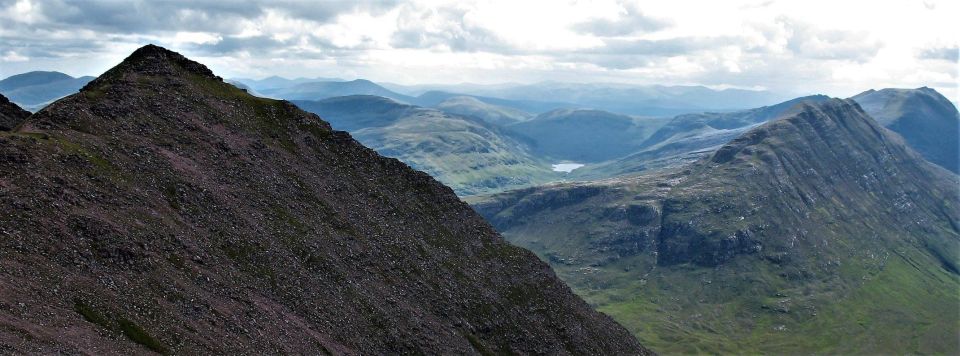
x,y
835,47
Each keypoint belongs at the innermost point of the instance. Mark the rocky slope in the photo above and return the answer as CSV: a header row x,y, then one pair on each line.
x,y
465,153
11,115
927,121
161,209
817,232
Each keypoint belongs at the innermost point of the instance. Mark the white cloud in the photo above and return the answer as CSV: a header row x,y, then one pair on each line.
x,y
834,47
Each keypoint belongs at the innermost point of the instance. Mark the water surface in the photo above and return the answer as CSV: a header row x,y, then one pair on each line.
x,y
566,167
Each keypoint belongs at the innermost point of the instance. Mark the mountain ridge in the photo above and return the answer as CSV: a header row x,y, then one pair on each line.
x,y
819,231
191,217
923,117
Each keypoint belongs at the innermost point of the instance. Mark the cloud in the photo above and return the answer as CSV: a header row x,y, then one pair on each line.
x,y
810,42
743,43
950,54
12,56
630,21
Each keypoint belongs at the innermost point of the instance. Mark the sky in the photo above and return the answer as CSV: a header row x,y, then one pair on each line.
x,y
832,47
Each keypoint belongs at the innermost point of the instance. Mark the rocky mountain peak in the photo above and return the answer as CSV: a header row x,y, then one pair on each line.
x,y
152,60
805,121
163,209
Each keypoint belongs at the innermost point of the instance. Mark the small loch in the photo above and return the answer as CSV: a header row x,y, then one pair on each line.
x,y
566,167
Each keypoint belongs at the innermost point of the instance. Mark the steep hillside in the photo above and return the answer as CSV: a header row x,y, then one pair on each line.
x,y
927,121
583,135
161,209
11,115
36,89
473,107
818,232
464,153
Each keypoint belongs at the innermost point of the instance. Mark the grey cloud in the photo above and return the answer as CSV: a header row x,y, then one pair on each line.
x,y
806,41
632,22
667,47
127,17
629,54
454,32
951,54
316,48
142,21
190,15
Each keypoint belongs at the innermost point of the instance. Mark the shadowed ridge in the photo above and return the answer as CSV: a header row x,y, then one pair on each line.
x,y
11,115
926,120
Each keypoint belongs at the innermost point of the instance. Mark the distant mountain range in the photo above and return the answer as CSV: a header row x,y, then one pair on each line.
x,y
534,98
163,210
816,232
34,90
652,100
587,136
329,89
274,82
927,121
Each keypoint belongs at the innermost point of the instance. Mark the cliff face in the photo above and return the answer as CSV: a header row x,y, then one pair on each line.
x,y
775,186
815,232
161,208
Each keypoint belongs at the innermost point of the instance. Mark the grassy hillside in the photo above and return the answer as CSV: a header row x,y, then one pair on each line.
x,y
819,232
465,153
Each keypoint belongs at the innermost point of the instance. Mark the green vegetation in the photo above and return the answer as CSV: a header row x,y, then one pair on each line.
x,y
465,154
790,239
684,309
137,334
128,328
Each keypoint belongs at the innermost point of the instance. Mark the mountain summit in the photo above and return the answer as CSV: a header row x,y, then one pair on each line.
x,y
926,120
817,232
163,209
